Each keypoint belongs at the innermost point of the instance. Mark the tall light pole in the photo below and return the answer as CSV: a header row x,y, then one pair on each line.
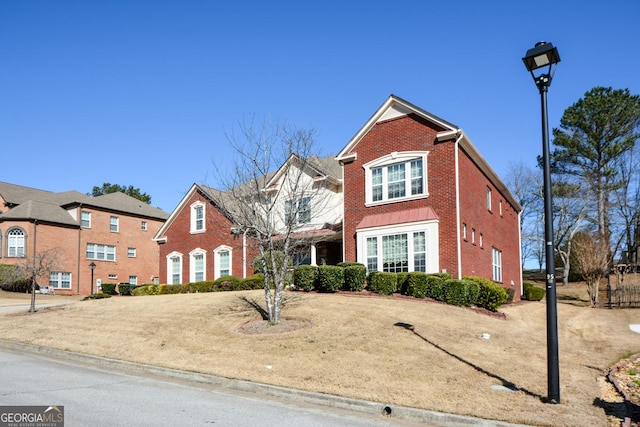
x,y
92,266
544,57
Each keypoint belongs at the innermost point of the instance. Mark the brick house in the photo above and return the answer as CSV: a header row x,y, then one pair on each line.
x,y
113,231
201,241
418,196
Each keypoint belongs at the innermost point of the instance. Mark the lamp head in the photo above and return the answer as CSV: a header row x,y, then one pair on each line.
x,y
542,55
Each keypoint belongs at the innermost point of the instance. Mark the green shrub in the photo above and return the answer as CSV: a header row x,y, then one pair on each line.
x,y
227,283
168,289
100,295
459,292
305,276
11,279
491,294
126,288
402,283
355,275
330,278
345,264
198,287
435,287
533,292
109,288
382,283
145,290
417,284
443,276
255,281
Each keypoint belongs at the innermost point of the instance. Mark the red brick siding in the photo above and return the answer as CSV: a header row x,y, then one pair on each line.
x,y
409,133
218,232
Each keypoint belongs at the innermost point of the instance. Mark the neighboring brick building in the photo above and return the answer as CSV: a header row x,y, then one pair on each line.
x,y
200,240
420,197
113,231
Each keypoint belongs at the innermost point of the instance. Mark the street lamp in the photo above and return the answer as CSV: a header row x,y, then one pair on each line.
x,y
544,57
92,266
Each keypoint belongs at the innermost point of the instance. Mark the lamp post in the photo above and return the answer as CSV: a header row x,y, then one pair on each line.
x,y
544,56
92,266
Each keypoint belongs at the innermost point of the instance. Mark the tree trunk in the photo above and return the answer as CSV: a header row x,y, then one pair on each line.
x,y
33,295
593,288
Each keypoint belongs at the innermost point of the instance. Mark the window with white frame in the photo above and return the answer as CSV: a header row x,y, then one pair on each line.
x,y
197,217
15,243
60,280
197,263
396,177
222,261
481,240
412,247
473,236
174,268
101,252
143,225
131,252
133,280
114,223
496,263
85,219
464,231
297,211
488,198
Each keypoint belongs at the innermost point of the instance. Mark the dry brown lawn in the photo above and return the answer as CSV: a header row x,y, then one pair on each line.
x,y
355,347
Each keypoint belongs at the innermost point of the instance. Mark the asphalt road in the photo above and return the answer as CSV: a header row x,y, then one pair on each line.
x,y
97,397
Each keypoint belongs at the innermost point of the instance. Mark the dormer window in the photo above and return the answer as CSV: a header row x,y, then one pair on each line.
x,y
396,177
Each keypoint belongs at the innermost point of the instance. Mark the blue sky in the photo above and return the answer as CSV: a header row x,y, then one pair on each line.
x,y
141,92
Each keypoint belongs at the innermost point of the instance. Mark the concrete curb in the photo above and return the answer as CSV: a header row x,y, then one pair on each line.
x,y
368,407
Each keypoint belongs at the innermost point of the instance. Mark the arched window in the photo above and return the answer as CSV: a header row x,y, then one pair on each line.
x,y
15,243
222,261
197,263
174,268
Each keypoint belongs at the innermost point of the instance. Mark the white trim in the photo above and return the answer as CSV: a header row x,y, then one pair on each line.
x,y
402,157
456,149
192,264
430,228
216,260
170,257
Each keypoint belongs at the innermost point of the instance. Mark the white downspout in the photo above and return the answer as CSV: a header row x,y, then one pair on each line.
x,y
458,224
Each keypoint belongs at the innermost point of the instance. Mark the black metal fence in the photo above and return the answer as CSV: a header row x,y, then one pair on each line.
x,y
623,296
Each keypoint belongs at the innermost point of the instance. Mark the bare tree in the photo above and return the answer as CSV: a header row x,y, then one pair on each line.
x,y
268,188
33,268
591,258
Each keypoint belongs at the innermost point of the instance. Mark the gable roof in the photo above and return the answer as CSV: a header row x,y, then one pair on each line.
x,y
32,204
321,167
395,106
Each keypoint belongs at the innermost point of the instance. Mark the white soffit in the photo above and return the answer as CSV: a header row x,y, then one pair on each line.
x,y
396,110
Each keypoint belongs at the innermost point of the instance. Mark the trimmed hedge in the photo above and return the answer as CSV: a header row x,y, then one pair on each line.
x,y
330,278
491,294
126,288
402,283
255,281
382,283
417,284
304,277
226,283
532,292
462,293
435,287
109,288
355,275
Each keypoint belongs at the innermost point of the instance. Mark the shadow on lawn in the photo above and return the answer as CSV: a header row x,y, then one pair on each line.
x,y
254,304
505,383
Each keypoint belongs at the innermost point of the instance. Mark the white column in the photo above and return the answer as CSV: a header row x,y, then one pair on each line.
x,y
313,254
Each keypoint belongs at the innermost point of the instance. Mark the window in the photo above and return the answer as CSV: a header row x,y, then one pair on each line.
x,y
197,217
133,280
85,219
131,252
488,198
473,236
114,223
143,225
302,256
60,280
15,243
496,262
174,268
481,240
500,207
112,276
297,211
398,176
402,249
222,262
197,263
464,231
102,252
